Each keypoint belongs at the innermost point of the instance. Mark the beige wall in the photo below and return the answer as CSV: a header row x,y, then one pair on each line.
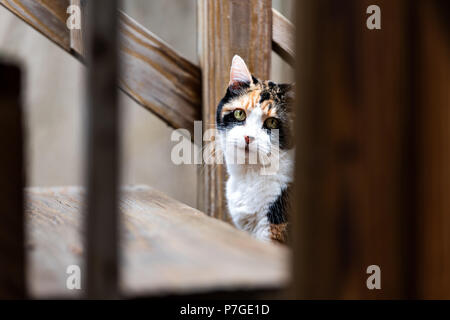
x,y
54,103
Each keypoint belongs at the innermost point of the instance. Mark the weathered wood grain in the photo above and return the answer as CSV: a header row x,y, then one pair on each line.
x,y
102,156
157,77
46,16
153,74
167,247
12,235
227,28
283,37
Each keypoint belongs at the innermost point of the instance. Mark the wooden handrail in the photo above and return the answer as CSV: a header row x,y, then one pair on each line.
x,y
283,37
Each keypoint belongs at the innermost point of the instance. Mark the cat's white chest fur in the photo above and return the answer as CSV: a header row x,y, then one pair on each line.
x,y
249,195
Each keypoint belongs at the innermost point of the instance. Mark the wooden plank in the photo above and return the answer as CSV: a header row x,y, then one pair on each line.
x,y
431,96
283,37
154,74
102,150
168,247
12,262
227,28
354,179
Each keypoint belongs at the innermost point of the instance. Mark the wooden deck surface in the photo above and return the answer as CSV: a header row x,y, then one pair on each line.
x,y
166,248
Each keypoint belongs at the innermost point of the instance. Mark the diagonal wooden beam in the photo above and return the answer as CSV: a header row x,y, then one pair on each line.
x,y
283,37
46,16
157,77
154,74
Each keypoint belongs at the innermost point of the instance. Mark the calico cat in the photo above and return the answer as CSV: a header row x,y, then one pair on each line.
x,y
254,119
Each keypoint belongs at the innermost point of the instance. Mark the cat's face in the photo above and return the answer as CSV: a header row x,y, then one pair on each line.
x,y
255,116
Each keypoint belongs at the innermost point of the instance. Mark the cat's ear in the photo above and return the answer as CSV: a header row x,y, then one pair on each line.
x,y
239,74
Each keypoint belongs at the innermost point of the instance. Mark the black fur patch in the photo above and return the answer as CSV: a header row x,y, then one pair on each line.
x,y
228,121
238,87
277,212
265,95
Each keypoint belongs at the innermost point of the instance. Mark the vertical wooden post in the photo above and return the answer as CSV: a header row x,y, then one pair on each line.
x,y
355,151
432,99
12,250
102,150
226,28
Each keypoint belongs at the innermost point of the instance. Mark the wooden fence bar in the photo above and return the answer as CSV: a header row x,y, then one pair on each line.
x,y
432,99
227,28
12,257
102,150
355,174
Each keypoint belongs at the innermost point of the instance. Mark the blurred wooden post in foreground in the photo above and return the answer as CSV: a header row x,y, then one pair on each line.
x,y
372,174
432,96
12,249
226,28
102,150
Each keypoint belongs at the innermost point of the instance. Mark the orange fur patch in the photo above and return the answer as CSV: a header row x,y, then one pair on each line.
x,y
278,232
248,102
253,99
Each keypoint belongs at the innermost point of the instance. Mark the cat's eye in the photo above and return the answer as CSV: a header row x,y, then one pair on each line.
x,y
272,123
239,114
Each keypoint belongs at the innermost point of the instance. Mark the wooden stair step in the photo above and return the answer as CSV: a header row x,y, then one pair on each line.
x,y
167,247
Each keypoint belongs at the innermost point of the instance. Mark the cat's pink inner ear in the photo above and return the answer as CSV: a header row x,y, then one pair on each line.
x,y
239,72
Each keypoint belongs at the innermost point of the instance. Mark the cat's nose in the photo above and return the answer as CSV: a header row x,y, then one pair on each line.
x,y
248,139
